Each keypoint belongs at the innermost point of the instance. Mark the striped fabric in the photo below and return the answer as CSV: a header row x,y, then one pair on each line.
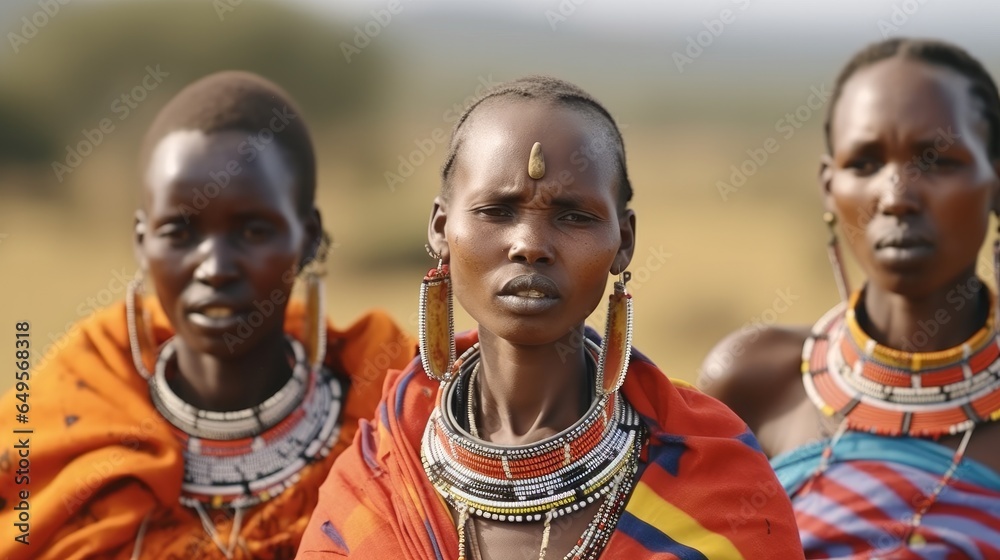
x,y
704,490
861,506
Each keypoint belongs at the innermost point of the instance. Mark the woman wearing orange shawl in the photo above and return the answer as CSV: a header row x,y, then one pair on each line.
x,y
540,440
199,423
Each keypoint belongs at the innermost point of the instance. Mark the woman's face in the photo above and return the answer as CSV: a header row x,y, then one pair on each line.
x,y
910,178
530,258
221,239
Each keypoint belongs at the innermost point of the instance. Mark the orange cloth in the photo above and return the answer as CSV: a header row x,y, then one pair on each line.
x,y
704,490
102,459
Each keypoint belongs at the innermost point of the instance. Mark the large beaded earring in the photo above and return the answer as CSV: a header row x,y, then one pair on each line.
x,y
436,322
138,324
314,335
616,347
833,253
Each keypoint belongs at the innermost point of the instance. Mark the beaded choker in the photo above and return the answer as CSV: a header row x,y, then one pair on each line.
x,y
891,392
559,474
242,458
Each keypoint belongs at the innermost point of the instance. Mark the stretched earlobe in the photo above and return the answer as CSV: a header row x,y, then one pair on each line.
x,y
437,238
825,180
139,232
627,248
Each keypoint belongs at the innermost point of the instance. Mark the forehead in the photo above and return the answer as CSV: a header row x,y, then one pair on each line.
x,y
185,162
911,96
499,137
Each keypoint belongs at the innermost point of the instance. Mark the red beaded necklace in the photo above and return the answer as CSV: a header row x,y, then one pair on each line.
x,y
882,390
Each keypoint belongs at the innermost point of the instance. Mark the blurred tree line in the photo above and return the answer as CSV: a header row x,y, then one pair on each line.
x,y
61,77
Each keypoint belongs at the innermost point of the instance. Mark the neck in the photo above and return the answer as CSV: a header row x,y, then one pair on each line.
x,y
938,321
529,393
209,383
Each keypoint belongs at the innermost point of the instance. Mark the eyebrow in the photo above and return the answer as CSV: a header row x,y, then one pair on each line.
x,y
555,193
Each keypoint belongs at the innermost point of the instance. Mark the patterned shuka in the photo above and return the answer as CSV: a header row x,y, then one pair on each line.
x,y
704,489
861,506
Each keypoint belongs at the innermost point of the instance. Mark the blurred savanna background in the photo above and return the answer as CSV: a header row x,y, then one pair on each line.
x,y
729,233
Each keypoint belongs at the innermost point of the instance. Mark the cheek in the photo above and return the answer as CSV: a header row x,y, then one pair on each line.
x,y
167,279
274,270
963,220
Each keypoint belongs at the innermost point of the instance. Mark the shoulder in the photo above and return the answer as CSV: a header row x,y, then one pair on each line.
x,y
749,367
371,345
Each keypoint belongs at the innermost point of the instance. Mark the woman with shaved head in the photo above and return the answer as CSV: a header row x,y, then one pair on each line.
x,y
198,418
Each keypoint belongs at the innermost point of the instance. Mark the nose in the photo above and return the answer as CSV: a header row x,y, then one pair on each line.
x,y
531,244
899,193
217,266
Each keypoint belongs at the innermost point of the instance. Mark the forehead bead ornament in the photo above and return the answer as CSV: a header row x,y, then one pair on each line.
x,y
536,162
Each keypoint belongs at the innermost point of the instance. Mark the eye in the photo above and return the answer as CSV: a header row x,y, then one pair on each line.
x,y
943,163
577,217
494,212
863,165
257,231
176,234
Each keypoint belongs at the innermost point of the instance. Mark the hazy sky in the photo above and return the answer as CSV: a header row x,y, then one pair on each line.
x,y
974,16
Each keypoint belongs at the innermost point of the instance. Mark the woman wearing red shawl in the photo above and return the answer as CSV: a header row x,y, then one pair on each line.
x,y
532,437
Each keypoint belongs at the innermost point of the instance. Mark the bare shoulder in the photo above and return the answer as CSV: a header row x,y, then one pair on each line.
x,y
751,369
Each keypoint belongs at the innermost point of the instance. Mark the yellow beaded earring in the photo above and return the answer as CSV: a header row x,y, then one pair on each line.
x,y
436,322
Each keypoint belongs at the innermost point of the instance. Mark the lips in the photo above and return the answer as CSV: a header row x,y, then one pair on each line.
x,y
903,249
903,240
531,286
216,314
529,294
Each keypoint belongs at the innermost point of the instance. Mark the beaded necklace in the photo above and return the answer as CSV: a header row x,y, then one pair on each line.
x,y
892,392
595,458
242,458
882,390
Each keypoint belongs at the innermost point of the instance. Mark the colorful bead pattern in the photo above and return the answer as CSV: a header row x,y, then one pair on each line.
x,y
524,483
264,458
891,392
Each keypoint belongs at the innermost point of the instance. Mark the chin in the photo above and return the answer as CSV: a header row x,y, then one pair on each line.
x,y
224,347
913,284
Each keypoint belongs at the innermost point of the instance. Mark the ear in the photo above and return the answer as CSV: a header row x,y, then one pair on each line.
x,y
826,180
314,237
140,229
436,237
626,227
